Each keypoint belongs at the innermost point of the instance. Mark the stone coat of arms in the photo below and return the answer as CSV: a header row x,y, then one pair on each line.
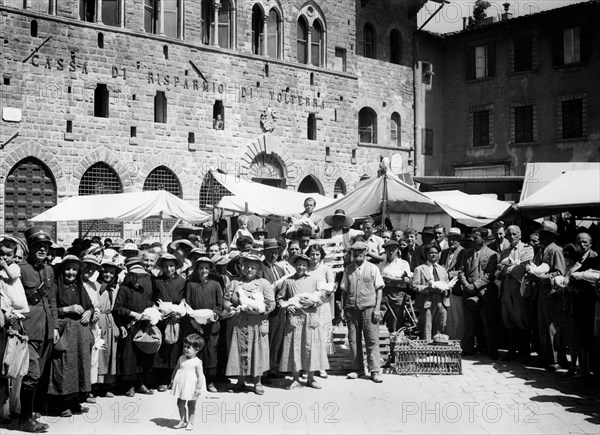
x,y
268,118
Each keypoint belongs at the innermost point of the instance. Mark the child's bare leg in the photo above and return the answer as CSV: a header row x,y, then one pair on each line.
x,y
182,414
192,414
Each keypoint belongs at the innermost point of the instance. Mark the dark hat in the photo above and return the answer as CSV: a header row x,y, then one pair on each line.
x,y
549,227
359,245
339,212
38,234
260,231
295,258
390,243
199,256
169,257
270,244
427,230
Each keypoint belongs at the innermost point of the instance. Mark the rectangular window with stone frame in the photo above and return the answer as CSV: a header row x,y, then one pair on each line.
x,y
571,46
523,124
481,61
572,119
481,128
522,52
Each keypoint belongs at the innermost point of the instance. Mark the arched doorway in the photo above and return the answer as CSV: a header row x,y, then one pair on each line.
x,y
310,185
266,169
100,179
339,188
161,178
30,189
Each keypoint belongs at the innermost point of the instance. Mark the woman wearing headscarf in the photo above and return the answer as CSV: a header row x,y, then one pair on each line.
x,y
248,329
70,380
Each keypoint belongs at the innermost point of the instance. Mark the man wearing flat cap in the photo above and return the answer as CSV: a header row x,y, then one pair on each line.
x,y
362,285
552,255
40,324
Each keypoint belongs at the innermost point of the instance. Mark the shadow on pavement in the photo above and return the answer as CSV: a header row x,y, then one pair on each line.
x,y
165,422
581,396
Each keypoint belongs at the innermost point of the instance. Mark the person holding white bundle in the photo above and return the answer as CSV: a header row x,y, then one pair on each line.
x,y
303,345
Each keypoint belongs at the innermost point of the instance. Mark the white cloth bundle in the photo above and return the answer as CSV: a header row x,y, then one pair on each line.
x,y
444,286
167,308
560,281
301,222
391,275
590,275
152,314
326,287
297,300
256,301
201,316
538,270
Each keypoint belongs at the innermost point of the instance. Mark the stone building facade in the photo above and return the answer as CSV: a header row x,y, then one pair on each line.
x,y
104,96
519,90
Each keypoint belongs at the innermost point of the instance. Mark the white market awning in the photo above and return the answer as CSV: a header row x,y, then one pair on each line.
x,y
469,210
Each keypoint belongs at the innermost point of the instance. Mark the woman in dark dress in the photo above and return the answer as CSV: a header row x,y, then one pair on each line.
x,y
168,287
134,296
204,293
70,379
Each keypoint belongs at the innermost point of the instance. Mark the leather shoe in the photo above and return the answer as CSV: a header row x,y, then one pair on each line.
x,y
144,390
211,388
66,413
162,388
130,392
259,389
33,426
352,375
376,377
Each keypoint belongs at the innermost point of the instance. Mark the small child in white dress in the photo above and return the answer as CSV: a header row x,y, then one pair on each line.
x,y
188,381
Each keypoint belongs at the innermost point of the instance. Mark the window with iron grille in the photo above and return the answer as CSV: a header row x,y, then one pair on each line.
x,y
161,178
100,179
211,192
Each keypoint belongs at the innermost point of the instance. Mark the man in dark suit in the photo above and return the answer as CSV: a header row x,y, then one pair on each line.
x,y
480,296
413,253
40,324
277,318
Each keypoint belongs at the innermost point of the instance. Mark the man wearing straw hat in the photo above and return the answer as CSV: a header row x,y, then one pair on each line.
x,y
40,323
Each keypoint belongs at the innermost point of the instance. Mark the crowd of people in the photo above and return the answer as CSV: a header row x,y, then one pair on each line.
x,y
272,305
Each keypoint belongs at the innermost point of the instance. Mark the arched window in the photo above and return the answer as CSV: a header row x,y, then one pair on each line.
x,y
34,28
367,126
395,125
267,169
224,27
339,188
100,179
369,47
211,193
316,44
30,189
310,185
395,47
302,41
274,35
257,29
161,178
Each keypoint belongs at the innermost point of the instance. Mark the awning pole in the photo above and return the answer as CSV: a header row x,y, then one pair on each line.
x,y
161,228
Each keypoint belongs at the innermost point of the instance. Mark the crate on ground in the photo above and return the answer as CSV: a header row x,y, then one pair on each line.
x,y
419,357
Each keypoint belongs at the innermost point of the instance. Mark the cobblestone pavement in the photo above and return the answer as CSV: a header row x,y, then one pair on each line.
x,y
487,398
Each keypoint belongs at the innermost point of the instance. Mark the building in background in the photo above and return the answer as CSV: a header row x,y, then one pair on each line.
x,y
516,91
108,96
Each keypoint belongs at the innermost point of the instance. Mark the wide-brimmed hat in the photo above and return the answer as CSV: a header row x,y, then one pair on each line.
x,y
109,255
138,268
245,258
359,245
195,253
132,261
390,243
221,260
69,258
91,259
168,257
427,230
38,234
269,244
175,243
549,227
109,263
348,221
295,259
454,233
131,247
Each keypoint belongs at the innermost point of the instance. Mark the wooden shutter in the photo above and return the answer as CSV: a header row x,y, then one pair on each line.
x,y
586,42
491,59
558,54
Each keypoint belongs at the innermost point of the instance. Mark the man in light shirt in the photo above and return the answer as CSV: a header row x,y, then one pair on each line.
x,y
396,276
375,251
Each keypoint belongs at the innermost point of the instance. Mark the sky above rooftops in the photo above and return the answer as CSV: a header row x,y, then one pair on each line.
x,y
449,19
